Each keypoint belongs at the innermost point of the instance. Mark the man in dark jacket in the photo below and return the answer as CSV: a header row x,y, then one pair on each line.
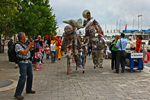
x,y
10,44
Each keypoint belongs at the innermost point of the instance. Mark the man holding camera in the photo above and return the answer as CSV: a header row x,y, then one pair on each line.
x,y
23,56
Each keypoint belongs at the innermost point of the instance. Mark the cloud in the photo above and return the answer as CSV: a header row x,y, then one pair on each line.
x,y
106,12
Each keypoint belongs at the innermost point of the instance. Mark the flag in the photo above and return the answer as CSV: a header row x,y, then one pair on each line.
x,y
126,27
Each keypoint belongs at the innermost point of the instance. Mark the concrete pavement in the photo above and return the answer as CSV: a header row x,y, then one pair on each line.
x,y
52,82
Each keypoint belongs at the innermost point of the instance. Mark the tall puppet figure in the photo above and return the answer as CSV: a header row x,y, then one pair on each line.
x,y
91,27
70,43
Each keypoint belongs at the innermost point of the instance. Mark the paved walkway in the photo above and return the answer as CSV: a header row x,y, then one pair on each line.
x,y
52,82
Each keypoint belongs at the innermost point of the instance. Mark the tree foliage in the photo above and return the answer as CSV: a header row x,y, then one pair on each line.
x,y
8,8
33,17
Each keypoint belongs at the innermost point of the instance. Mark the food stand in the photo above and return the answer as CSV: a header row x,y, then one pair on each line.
x,y
134,60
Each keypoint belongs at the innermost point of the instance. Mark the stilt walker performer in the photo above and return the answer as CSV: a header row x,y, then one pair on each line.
x,y
91,27
70,43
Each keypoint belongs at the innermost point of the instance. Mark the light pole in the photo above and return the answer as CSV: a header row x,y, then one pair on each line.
x,y
133,23
122,21
141,21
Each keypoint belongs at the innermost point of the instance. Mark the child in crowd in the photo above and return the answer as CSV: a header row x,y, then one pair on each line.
x,y
108,50
47,50
37,58
40,52
53,49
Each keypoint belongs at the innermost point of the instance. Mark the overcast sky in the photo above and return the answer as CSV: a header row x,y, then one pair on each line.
x,y
106,12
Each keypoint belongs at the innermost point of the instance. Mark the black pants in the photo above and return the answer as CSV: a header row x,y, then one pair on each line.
x,y
89,52
113,59
119,60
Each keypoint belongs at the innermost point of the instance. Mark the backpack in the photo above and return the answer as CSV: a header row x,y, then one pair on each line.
x,y
99,45
14,54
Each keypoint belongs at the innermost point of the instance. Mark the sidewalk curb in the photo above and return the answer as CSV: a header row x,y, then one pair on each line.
x,y
12,86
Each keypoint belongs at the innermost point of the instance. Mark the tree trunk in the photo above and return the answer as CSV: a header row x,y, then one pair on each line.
x,y
15,38
0,43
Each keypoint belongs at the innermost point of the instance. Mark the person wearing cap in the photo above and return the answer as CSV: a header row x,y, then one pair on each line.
x,y
100,49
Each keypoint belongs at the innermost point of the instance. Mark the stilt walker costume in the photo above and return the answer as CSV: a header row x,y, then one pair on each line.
x,y
91,27
70,43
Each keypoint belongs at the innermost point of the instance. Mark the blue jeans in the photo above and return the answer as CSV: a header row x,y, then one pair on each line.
x,y
80,59
25,70
53,55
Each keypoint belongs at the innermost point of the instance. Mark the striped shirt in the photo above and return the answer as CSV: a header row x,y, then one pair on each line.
x,y
18,48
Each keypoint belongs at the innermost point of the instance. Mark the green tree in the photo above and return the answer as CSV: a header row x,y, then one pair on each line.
x,y
8,8
35,17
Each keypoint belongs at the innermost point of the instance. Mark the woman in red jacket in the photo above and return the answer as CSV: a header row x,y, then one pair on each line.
x,y
138,43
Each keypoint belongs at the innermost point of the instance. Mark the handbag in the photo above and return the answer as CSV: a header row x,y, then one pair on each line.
x,y
124,53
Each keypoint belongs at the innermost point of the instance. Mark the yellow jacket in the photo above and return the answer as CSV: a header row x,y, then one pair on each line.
x,y
54,41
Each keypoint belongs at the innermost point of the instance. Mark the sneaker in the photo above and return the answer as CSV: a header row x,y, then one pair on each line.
x,y
16,67
31,92
94,66
115,72
40,67
101,67
19,97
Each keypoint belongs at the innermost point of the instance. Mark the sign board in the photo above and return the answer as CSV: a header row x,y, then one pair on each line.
x,y
136,55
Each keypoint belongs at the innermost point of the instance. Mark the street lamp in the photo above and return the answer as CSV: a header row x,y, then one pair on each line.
x,y
141,21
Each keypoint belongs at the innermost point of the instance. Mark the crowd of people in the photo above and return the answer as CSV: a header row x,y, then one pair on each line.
x,y
32,52
51,47
76,48
115,47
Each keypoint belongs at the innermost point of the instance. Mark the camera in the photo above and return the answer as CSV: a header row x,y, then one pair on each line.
x,y
31,40
35,41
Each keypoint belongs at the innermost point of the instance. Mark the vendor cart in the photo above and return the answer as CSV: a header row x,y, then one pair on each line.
x,y
134,60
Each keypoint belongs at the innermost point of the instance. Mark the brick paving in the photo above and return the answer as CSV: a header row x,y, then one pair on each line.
x,y
53,83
